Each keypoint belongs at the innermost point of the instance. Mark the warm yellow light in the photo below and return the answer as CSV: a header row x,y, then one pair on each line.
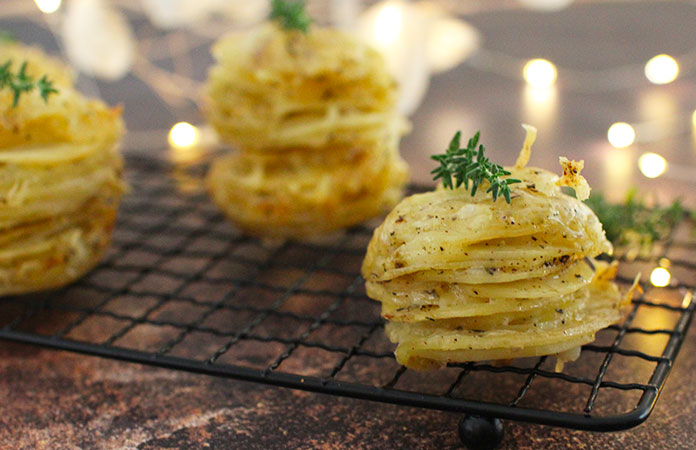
x,y
387,25
660,277
540,106
652,165
48,6
621,135
183,134
693,119
661,69
539,73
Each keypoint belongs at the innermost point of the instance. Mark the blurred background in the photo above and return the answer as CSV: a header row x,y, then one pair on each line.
x,y
610,82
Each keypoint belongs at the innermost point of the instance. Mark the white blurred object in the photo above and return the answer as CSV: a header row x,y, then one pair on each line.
x,y
344,13
98,39
546,5
389,27
415,40
175,13
178,13
450,42
245,12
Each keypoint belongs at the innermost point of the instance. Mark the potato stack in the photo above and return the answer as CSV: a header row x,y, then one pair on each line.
x,y
60,178
465,278
312,116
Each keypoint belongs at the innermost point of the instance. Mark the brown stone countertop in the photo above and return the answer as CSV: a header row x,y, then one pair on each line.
x,y
58,400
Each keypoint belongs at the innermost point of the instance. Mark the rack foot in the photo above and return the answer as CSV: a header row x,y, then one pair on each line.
x,y
480,433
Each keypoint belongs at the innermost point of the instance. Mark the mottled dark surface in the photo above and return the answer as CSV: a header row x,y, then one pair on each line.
x,y
59,400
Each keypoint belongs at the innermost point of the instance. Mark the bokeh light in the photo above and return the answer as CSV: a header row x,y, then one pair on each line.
x,y
388,23
539,73
183,134
660,277
48,6
652,165
661,69
621,135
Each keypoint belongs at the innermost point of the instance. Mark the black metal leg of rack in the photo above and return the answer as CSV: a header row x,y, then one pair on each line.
x,y
480,433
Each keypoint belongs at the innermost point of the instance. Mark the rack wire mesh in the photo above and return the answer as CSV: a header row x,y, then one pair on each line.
x,y
181,288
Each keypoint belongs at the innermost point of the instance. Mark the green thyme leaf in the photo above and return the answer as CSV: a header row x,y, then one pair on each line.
x,y
46,88
291,14
470,167
20,82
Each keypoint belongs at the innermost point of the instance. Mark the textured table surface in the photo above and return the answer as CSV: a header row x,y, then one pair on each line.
x,y
59,400
55,400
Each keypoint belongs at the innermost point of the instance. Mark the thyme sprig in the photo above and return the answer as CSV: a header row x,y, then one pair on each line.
x,y
291,14
20,82
461,166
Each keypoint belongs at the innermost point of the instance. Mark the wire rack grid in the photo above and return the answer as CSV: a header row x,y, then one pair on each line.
x,y
181,288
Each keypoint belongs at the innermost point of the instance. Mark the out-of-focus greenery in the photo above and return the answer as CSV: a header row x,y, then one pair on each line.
x,y
6,36
633,222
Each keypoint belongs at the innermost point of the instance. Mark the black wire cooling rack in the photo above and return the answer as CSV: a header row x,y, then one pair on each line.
x,y
181,288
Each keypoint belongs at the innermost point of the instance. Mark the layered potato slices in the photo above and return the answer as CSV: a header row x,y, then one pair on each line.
x,y
312,117
273,88
60,178
465,278
303,193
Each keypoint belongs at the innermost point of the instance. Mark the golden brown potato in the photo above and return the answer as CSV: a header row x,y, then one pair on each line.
x,y
465,278
313,119
307,193
272,89
547,328
60,180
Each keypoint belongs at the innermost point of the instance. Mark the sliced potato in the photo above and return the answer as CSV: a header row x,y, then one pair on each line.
x,y
60,179
465,278
273,90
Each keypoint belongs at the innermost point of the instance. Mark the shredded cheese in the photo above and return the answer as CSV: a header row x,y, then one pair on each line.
x,y
572,178
526,151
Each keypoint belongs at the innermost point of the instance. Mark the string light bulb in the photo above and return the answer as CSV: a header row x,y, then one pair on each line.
x,y
183,135
660,277
621,135
661,69
48,6
652,165
539,73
